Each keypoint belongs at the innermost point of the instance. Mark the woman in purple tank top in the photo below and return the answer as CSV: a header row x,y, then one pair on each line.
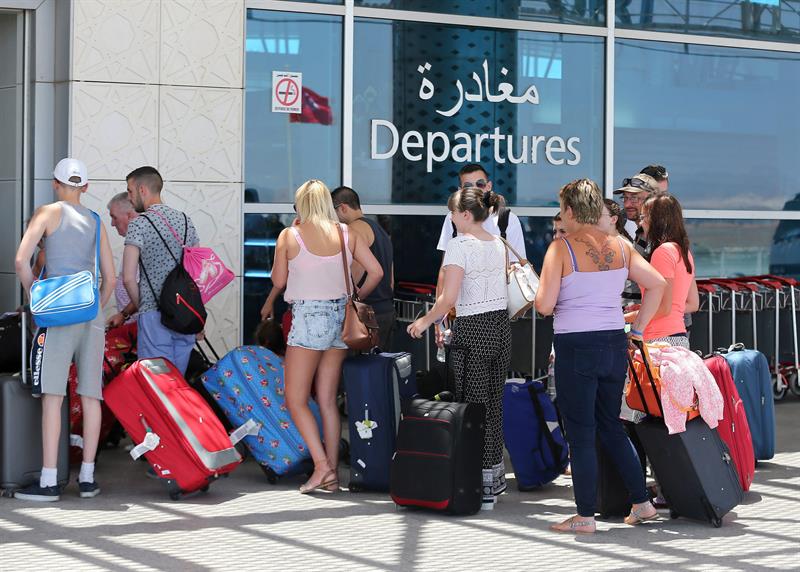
x,y
581,283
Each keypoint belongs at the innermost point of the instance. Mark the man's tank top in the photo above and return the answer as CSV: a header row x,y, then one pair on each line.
x,y
70,248
382,298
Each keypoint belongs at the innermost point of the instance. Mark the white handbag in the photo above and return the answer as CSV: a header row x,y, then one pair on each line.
x,y
522,282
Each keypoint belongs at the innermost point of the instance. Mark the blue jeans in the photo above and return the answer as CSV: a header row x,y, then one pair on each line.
x,y
317,324
590,373
156,340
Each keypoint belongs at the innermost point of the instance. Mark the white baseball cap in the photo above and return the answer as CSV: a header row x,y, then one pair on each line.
x,y
68,168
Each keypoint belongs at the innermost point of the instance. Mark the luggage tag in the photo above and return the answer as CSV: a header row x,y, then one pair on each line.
x,y
149,443
366,426
249,427
75,440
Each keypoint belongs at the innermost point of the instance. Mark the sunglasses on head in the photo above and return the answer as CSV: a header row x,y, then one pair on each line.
x,y
638,183
480,184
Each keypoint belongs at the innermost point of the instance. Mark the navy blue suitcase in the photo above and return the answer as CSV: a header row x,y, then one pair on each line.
x,y
750,371
532,434
374,384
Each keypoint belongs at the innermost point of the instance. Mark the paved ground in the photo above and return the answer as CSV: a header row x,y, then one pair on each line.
x,y
246,524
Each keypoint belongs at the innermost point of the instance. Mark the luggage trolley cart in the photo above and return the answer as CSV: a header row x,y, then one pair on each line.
x,y
750,303
769,328
735,301
702,334
788,358
411,301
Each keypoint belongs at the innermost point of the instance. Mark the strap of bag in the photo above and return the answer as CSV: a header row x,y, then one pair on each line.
x,y
555,448
147,279
96,251
144,216
172,230
344,260
646,361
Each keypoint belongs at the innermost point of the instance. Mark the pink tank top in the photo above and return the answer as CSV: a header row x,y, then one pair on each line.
x,y
313,277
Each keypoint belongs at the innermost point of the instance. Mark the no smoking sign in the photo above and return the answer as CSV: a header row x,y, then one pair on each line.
x,y
286,90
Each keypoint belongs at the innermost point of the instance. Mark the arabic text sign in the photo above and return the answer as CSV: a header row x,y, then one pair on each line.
x,y
286,90
461,147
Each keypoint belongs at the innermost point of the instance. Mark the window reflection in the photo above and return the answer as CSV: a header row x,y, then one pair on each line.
x,y
722,120
527,105
283,150
591,12
735,247
764,19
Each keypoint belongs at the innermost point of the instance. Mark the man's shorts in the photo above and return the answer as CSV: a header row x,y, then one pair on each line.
x,y
56,347
317,324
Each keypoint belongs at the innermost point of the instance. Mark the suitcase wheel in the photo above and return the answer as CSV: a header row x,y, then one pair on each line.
x,y
672,514
272,478
717,522
175,492
353,488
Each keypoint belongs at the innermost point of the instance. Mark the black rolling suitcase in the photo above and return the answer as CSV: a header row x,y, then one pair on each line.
x,y
694,468
439,456
21,429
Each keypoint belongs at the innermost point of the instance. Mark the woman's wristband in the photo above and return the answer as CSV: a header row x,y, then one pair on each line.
x,y
637,333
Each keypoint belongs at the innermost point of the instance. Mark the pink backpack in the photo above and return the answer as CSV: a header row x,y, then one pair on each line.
x,y
203,265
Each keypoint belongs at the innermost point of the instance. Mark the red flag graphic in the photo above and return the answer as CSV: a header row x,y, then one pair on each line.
x,y
316,109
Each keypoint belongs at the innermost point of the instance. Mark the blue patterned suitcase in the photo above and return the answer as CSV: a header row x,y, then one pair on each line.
x,y
248,383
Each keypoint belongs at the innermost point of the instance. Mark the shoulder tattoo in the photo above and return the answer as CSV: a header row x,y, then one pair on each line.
x,y
602,258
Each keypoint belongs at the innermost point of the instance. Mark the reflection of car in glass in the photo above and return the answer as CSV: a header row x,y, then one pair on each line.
x,y
785,252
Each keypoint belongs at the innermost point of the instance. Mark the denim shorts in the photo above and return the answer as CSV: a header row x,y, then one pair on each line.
x,y
317,324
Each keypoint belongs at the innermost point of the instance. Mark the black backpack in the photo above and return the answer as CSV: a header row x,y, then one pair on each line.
x,y
180,303
502,222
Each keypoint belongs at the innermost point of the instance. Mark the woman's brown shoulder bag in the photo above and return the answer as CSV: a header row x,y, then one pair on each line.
x,y
360,327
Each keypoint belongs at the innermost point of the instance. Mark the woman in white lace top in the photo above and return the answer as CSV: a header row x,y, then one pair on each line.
x,y
474,283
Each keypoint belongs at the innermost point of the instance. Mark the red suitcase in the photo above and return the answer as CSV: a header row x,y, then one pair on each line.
x,y
734,429
174,427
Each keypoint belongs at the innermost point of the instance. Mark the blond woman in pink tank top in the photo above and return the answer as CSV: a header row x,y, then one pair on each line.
x,y
308,264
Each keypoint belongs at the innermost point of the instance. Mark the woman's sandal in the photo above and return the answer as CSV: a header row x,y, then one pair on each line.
x,y
575,526
636,516
329,480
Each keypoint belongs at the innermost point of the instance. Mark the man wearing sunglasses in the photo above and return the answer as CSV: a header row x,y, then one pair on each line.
x,y
474,175
634,191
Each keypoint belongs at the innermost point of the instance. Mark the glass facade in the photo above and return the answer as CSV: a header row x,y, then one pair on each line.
x,y
717,117
417,94
409,143
591,12
282,149
775,20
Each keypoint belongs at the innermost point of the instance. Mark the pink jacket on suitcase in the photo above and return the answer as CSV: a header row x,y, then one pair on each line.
x,y
684,379
174,427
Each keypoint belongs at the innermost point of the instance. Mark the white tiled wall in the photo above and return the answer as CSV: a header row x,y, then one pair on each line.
x,y
160,82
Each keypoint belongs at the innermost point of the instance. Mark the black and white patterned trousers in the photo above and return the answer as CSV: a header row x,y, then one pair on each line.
x,y
487,341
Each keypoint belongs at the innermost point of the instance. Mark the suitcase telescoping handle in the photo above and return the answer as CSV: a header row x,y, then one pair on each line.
x,y
24,358
646,361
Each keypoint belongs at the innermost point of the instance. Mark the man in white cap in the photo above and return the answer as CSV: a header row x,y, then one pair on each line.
x,y
69,231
